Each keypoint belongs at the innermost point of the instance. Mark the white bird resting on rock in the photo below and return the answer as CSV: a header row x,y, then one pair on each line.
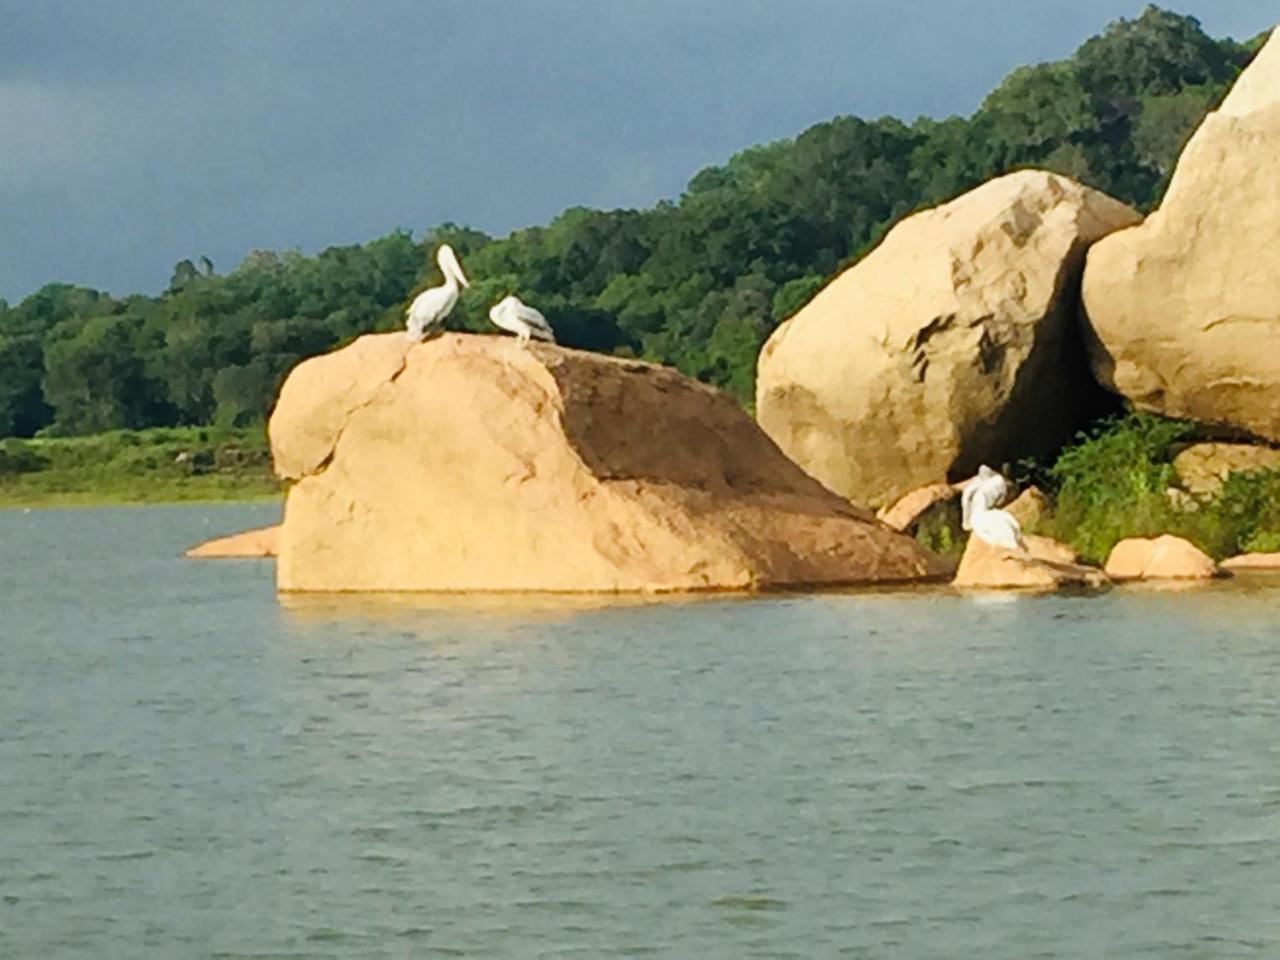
x,y
989,487
510,313
430,307
997,527
978,504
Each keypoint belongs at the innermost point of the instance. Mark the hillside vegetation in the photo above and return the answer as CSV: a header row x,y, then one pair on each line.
x,y
698,283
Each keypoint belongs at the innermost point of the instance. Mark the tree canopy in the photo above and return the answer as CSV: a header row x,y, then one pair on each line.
x,y
698,283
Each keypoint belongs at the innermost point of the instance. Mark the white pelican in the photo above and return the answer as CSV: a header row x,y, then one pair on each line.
x,y
430,307
989,487
510,313
981,496
997,527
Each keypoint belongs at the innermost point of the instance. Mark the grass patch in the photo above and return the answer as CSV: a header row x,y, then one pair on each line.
x,y
162,465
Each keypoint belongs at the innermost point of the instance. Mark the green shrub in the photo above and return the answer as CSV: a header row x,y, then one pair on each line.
x,y
1248,511
1265,542
1112,484
18,457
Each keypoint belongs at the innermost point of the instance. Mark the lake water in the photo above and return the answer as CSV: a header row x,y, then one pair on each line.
x,y
191,768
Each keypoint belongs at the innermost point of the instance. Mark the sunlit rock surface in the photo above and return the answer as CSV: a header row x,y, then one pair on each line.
x,y
468,463
1184,310
954,343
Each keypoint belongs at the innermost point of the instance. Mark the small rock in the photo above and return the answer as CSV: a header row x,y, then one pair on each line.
x,y
1253,563
986,567
259,542
1030,508
1046,548
911,509
1162,558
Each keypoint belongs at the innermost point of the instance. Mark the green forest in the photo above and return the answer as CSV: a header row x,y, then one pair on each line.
x,y
698,283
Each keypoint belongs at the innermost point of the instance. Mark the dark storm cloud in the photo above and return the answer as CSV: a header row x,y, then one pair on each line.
x,y
133,134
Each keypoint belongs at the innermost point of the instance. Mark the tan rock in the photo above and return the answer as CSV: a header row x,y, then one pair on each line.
x,y
1204,467
259,542
316,401
1162,558
986,567
468,463
954,343
1253,563
907,512
1185,309
1030,508
1054,551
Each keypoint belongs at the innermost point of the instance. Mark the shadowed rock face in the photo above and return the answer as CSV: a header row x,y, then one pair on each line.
x,y
1184,311
954,343
468,463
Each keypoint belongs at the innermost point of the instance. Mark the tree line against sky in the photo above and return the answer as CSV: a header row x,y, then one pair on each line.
x,y
698,283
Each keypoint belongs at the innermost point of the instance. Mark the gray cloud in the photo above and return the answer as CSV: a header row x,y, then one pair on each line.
x,y
133,134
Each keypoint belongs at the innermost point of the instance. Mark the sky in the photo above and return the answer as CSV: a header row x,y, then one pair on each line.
x,y
136,133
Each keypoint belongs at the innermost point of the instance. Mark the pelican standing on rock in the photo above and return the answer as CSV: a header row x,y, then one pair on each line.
x,y
981,496
1000,528
510,313
430,307
989,487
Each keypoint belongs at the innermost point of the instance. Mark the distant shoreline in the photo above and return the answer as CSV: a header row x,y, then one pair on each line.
x,y
138,468
74,499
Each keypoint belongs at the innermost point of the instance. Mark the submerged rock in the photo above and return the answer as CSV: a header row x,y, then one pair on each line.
x,y
469,463
954,343
1044,567
1161,558
1185,309
259,542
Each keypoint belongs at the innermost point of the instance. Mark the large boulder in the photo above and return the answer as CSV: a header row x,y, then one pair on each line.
x,y
470,463
1185,309
1161,558
954,343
